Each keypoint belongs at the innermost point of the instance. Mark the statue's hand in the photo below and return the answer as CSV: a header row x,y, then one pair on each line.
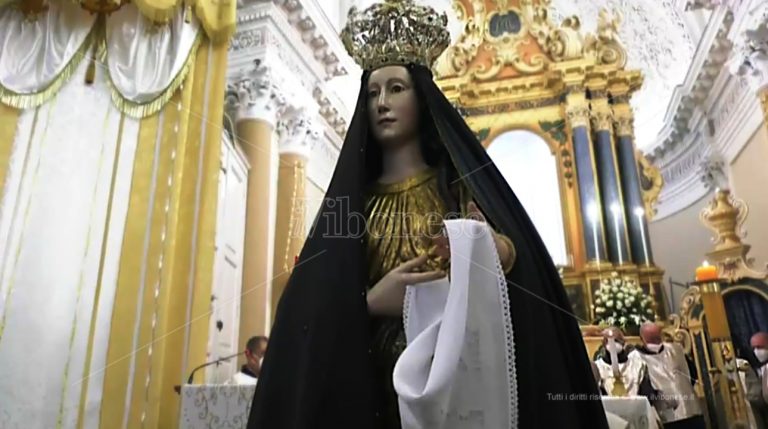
x,y
506,254
387,295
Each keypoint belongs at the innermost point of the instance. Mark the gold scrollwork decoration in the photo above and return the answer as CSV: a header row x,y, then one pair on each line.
x,y
605,46
458,57
503,29
676,329
690,300
651,182
566,42
556,130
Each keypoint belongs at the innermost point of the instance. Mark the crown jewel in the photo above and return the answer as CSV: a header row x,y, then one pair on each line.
x,y
395,32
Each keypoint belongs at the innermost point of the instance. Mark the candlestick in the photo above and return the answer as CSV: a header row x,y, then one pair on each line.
x,y
706,272
639,212
615,211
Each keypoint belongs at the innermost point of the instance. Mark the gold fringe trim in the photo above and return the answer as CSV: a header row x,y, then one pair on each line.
x,y
28,101
142,110
96,39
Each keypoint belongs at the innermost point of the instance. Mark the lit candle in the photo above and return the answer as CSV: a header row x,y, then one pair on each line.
x,y
639,212
706,272
592,213
615,211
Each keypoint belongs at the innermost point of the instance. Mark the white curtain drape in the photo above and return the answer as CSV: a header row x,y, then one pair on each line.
x,y
53,222
458,370
33,53
143,58
146,62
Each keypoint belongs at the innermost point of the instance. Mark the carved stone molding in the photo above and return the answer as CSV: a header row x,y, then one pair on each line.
x,y
708,4
242,40
298,133
704,71
256,94
330,113
313,31
750,52
685,166
712,173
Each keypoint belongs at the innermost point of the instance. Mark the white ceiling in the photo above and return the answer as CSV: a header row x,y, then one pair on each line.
x,y
653,31
658,43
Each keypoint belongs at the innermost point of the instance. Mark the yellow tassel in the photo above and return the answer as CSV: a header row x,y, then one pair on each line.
x,y
188,14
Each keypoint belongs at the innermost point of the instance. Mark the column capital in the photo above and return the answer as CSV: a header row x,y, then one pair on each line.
x,y
602,115
577,110
298,131
256,94
624,120
749,58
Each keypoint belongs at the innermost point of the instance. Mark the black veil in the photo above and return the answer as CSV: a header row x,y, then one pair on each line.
x,y
317,371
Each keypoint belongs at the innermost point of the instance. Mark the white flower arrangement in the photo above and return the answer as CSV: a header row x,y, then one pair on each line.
x,y
621,302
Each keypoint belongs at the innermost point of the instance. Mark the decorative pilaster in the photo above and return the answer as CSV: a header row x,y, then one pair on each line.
x,y
750,54
577,113
297,134
630,185
256,98
610,183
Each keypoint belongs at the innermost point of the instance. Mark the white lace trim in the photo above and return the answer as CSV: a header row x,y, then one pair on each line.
x,y
407,306
509,338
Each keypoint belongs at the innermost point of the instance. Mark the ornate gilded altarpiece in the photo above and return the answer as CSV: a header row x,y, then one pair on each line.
x,y
513,68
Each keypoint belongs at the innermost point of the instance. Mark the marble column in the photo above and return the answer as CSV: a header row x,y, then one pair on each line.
x,y
258,103
637,225
577,113
297,133
610,183
749,57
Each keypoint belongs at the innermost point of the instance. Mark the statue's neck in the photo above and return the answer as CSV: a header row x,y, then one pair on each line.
x,y
401,162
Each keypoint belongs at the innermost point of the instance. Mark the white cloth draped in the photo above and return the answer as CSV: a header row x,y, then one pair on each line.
x,y
53,224
34,52
457,371
143,58
636,411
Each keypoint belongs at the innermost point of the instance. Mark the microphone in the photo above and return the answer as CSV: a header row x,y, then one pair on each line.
x,y
216,362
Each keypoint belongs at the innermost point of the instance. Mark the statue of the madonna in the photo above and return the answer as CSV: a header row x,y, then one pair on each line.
x,y
337,353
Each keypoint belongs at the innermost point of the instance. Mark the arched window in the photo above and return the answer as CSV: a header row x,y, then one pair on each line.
x,y
530,168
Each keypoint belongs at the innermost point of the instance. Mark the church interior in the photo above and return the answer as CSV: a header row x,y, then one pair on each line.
x,y
162,234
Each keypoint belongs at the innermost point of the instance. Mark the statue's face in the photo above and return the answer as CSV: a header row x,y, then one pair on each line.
x,y
393,110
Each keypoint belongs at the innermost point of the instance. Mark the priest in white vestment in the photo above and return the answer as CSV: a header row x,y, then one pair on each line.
x,y
671,376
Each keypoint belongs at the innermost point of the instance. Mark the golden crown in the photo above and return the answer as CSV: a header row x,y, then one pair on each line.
x,y
395,32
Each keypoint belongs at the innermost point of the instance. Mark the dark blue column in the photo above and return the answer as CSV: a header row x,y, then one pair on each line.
x,y
589,194
633,199
610,190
